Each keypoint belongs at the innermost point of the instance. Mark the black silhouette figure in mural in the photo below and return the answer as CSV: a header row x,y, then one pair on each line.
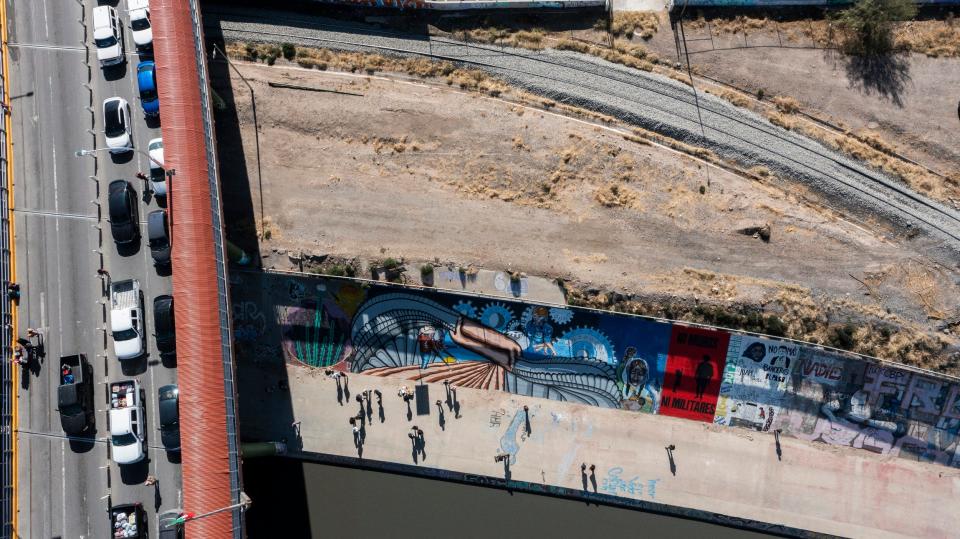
x,y
677,378
703,375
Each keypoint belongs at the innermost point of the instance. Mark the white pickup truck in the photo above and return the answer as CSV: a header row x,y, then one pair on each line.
x,y
126,318
126,422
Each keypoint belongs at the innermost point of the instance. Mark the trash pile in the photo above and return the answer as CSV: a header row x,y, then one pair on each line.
x,y
125,526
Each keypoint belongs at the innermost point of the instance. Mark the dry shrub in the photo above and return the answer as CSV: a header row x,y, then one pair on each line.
x,y
630,23
782,120
786,104
613,195
760,170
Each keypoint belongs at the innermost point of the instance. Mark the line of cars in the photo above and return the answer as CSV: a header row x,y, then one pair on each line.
x,y
127,412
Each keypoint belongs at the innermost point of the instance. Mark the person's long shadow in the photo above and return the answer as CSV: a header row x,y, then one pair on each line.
x,y
885,75
380,410
673,465
414,449
593,480
409,411
25,373
157,498
339,392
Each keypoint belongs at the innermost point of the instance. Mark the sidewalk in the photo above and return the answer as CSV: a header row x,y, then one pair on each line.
x,y
730,471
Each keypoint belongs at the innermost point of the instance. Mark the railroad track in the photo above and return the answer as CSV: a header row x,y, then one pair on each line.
x,y
746,138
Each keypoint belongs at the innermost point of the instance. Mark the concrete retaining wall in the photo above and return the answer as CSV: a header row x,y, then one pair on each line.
x,y
611,360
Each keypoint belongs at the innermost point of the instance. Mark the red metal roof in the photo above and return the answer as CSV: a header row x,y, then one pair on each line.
x,y
200,373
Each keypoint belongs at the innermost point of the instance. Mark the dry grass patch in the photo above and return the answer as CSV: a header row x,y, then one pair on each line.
x,y
623,52
632,23
934,38
525,39
613,195
786,104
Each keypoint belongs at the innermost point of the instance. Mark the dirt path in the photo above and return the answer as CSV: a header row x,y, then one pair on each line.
x,y
427,172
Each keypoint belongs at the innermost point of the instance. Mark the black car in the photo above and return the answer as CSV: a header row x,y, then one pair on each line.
x,y
159,237
163,322
124,212
169,403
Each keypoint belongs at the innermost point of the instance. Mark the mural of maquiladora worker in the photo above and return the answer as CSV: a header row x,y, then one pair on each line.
x,y
409,336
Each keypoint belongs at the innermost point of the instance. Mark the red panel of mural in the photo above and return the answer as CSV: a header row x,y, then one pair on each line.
x,y
694,372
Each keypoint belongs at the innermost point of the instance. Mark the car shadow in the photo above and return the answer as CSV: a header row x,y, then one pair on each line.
x,y
169,360
163,270
173,457
115,72
153,122
83,444
161,200
136,473
135,366
128,249
121,158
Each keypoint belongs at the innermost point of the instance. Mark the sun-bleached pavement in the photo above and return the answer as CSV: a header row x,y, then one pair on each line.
x,y
735,472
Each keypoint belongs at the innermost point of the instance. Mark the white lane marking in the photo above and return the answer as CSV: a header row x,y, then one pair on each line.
x,y
46,25
63,484
43,309
44,46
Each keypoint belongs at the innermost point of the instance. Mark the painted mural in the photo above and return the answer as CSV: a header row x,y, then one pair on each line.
x,y
694,371
604,359
755,381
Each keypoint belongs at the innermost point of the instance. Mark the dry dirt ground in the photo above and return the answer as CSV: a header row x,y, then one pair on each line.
x,y
904,99
423,171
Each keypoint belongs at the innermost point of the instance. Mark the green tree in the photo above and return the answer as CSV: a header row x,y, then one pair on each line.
x,y
868,24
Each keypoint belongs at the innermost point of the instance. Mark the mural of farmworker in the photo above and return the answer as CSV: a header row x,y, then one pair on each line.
x,y
402,335
540,332
639,383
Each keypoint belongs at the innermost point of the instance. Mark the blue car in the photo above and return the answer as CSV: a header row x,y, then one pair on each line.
x,y
147,82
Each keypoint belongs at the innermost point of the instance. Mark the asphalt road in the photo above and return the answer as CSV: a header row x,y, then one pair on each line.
x,y
66,485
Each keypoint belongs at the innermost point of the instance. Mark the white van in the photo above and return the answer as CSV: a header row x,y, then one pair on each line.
x,y
140,23
108,36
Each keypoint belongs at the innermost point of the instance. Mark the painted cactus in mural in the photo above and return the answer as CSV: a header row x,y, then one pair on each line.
x,y
616,361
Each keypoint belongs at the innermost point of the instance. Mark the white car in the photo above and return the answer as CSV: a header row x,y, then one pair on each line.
x,y
126,416
107,36
157,180
116,124
126,443
140,23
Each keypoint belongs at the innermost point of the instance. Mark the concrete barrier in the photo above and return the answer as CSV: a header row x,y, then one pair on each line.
x,y
611,360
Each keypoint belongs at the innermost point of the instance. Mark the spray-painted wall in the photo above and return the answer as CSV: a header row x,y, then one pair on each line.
x,y
610,360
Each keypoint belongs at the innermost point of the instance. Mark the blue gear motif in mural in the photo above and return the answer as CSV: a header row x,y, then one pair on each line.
x,y
514,325
588,342
560,315
466,308
496,316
